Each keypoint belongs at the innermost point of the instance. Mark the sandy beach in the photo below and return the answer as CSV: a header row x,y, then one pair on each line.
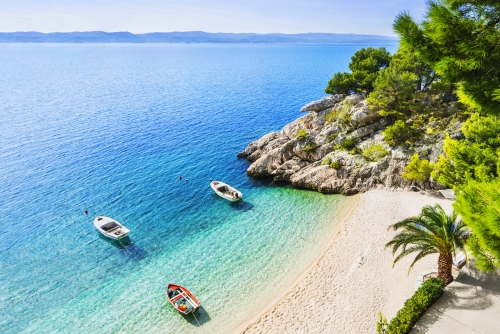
x,y
353,279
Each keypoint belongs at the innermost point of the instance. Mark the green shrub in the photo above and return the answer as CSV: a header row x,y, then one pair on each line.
x,y
344,117
414,307
418,170
355,151
374,152
401,133
348,144
310,147
332,137
331,116
302,134
336,164
326,160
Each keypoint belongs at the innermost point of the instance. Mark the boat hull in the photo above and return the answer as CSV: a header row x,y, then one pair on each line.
x,y
229,193
179,296
121,236
110,228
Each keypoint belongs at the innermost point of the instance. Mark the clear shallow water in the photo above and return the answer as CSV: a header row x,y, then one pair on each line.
x,y
109,128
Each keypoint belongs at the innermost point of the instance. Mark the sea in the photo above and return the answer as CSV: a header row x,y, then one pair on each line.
x,y
111,128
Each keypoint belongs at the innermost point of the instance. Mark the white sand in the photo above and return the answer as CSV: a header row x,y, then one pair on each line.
x,y
354,278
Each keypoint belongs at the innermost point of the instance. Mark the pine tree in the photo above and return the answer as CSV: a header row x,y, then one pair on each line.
x,y
460,39
479,205
364,67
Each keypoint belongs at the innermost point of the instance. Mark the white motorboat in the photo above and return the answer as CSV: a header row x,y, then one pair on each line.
x,y
110,228
226,191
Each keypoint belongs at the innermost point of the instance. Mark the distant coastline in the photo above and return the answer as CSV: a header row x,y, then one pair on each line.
x,y
190,37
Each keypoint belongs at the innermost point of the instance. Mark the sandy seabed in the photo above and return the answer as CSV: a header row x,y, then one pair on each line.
x,y
353,279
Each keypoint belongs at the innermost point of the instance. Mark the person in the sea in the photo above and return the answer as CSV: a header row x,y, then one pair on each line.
x,y
86,212
180,177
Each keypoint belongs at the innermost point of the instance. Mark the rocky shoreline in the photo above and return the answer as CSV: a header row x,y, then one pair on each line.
x,y
310,152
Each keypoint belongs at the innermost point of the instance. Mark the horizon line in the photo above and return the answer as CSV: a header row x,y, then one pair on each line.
x,y
190,31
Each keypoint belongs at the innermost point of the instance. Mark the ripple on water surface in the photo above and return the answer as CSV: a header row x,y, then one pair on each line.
x,y
109,128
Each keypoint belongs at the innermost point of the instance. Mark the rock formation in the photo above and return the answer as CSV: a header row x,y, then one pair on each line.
x,y
311,152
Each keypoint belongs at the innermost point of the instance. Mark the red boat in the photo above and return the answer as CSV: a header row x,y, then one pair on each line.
x,y
182,299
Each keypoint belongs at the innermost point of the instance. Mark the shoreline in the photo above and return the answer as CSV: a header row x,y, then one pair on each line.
x,y
341,221
352,279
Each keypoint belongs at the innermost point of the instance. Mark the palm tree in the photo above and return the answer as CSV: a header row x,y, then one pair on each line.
x,y
433,231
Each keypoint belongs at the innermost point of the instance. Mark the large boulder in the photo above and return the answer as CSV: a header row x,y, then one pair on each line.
x,y
322,104
366,130
363,115
353,99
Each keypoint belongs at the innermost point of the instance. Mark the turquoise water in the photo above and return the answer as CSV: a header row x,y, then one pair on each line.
x,y
109,129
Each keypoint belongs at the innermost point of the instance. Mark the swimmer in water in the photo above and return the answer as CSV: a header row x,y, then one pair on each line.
x,y
180,177
86,212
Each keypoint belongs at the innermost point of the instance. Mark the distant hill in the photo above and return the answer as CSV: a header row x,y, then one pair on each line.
x,y
187,37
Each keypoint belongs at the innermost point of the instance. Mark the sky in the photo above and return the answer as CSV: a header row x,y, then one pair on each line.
x,y
258,16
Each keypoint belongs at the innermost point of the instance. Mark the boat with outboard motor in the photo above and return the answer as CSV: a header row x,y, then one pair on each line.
x,y
110,228
225,191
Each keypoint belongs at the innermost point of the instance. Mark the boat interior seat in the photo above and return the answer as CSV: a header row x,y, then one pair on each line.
x,y
114,229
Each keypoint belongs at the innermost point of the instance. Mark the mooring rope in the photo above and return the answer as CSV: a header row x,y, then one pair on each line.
x,y
126,250
198,323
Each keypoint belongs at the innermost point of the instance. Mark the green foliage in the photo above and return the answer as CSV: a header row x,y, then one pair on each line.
x,y
336,164
381,324
426,295
479,205
310,147
433,231
348,144
355,150
302,134
341,116
399,87
364,66
475,158
344,118
418,170
401,133
326,160
331,116
341,83
374,152
460,39
332,137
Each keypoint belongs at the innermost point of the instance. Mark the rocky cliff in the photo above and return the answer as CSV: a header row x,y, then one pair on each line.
x,y
322,149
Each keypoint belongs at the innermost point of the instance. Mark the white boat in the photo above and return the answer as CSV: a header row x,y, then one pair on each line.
x,y
110,228
226,191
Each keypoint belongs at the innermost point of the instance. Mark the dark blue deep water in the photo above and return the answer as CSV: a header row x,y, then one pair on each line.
x,y
109,129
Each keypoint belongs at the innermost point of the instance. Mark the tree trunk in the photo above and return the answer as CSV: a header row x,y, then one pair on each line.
x,y
445,263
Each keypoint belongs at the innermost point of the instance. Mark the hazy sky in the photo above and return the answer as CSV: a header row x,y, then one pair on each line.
x,y
261,16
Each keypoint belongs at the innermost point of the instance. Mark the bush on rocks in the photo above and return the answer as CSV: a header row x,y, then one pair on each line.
x,y
302,134
374,152
336,164
310,147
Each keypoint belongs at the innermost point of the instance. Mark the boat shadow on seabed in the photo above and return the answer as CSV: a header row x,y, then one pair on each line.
x,y
127,247
199,318
241,206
